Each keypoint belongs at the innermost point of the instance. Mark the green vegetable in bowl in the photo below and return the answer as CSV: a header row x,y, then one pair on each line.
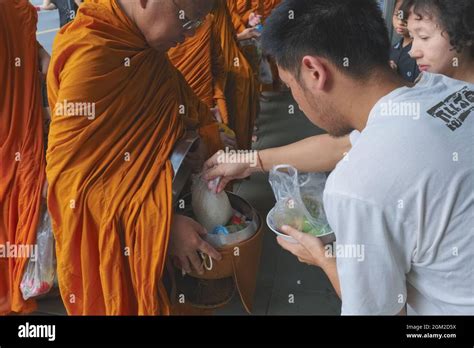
x,y
311,205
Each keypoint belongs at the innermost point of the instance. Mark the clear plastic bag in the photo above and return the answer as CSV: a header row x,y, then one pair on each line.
x,y
299,200
40,271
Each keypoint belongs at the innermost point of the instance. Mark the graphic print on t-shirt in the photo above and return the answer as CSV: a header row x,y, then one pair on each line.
x,y
455,109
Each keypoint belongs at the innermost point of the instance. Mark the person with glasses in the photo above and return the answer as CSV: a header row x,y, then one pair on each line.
x,y
118,108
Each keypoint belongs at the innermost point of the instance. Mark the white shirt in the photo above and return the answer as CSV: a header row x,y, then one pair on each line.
x,y
404,195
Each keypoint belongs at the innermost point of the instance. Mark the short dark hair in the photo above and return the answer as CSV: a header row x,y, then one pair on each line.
x,y
455,18
333,29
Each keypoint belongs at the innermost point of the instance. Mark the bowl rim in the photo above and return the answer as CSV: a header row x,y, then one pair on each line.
x,y
274,230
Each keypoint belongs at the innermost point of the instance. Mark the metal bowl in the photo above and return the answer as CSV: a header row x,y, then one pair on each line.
x,y
224,241
327,238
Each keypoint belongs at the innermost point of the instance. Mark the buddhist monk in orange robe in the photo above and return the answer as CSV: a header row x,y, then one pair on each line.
x,y
118,108
22,158
242,88
201,61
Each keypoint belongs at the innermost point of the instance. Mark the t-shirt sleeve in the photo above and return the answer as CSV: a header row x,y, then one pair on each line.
x,y
371,261
354,136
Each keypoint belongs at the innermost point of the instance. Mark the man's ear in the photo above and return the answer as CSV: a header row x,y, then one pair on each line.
x,y
317,70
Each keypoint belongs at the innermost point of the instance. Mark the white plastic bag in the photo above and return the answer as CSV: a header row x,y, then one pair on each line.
x,y
40,271
211,209
299,200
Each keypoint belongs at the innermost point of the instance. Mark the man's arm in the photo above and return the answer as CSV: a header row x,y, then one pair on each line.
x,y
78,2
320,153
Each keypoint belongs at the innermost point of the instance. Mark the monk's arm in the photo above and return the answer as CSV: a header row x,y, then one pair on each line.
x,y
319,153
219,77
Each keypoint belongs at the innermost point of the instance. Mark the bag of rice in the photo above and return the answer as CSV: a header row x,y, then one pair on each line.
x,y
211,209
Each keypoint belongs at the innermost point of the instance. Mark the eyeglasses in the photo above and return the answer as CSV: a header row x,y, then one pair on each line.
x,y
189,24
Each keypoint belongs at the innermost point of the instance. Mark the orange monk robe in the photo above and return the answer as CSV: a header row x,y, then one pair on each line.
x,y
201,61
118,108
242,93
22,159
237,19
268,7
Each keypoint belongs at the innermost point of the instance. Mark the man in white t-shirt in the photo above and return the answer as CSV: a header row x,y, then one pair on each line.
x,y
401,203
405,193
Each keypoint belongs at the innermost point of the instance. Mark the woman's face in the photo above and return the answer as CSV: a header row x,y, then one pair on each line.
x,y
431,47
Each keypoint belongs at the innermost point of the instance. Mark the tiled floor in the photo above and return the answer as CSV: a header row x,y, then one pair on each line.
x,y
284,286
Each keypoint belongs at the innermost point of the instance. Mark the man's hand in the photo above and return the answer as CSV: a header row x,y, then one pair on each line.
x,y
185,243
247,34
393,65
213,169
309,249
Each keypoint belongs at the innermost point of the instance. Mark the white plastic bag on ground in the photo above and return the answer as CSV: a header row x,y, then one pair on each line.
x,y
211,209
40,271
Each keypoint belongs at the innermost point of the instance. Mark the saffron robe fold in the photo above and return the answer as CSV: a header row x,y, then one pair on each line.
x,y
109,174
241,92
201,61
22,158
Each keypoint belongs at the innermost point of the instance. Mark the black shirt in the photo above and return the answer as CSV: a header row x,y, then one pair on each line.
x,y
407,66
67,10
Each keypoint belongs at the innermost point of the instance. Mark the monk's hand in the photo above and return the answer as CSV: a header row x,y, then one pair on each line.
x,y
308,249
254,19
216,167
186,242
249,33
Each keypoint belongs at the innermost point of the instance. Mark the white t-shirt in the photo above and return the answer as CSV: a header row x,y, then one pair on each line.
x,y
402,204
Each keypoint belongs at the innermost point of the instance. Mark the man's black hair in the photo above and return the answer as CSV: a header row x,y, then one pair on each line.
x,y
342,31
454,16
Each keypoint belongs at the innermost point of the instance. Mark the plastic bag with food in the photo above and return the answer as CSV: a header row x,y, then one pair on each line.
x,y
210,208
299,199
40,271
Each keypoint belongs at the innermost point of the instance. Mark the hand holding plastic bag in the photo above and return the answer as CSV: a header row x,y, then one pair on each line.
x,y
39,274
